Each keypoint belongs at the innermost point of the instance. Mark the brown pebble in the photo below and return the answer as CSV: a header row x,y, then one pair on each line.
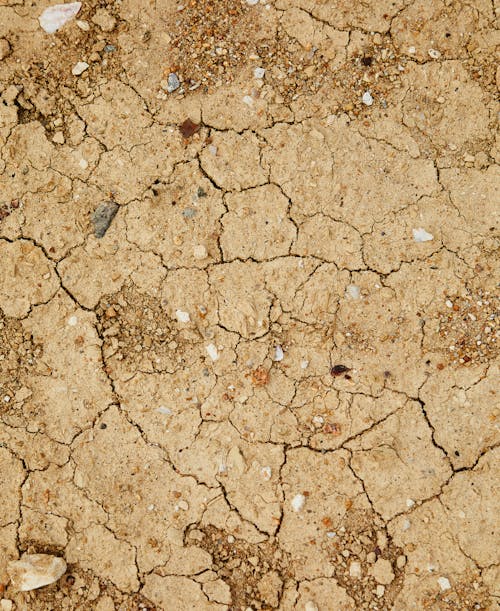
x,y
189,128
338,370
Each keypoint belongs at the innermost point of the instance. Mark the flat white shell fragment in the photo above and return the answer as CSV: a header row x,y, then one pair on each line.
x,y
212,351
35,571
420,235
54,17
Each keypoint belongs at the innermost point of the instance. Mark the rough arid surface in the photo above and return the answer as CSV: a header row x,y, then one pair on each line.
x,y
249,304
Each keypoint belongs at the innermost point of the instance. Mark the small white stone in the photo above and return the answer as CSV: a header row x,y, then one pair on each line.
x,y
164,410
252,2
318,421
79,68
353,291
83,25
212,351
266,473
380,591
444,583
412,50
421,235
200,252
330,534
72,321
259,72
248,100
355,570
410,503
83,163
35,570
406,525
6,399
230,539
183,505
278,353
449,304
304,364
54,17
311,606
182,316
434,53
6,604
367,98
298,502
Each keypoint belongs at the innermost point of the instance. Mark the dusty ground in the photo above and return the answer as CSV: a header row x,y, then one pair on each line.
x,y
257,390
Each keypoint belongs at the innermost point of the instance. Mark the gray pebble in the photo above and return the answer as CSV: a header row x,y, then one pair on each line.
x,y
173,82
189,213
102,217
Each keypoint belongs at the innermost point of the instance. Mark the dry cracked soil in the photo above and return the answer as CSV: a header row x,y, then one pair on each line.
x,y
248,304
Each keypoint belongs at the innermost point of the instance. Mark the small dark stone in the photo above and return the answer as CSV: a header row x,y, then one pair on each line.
x,y
102,217
201,192
338,370
367,60
103,426
69,580
188,128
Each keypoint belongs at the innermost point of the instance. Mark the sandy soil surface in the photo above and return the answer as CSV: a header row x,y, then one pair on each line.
x,y
248,304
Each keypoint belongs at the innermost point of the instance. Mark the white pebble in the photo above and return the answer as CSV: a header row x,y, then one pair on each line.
x,y
434,53
35,570
353,291
266,473
380,591
311,606
421,235
164,410
304,364
444,583
6,604
278,353
367,98
252,2
410,503
200,252
182,316
83,25
79,68
213,150
83,163
259,72
212,351
72,320
248,100
298,502
54,17
412,50
449,304
355,570
318,420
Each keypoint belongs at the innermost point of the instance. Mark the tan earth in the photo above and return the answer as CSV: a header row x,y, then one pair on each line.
x,y
248,304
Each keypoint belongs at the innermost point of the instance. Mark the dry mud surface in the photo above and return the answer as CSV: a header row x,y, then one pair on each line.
x,y
248,328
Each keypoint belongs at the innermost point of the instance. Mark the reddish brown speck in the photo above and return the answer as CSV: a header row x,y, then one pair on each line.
x,y
188,128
